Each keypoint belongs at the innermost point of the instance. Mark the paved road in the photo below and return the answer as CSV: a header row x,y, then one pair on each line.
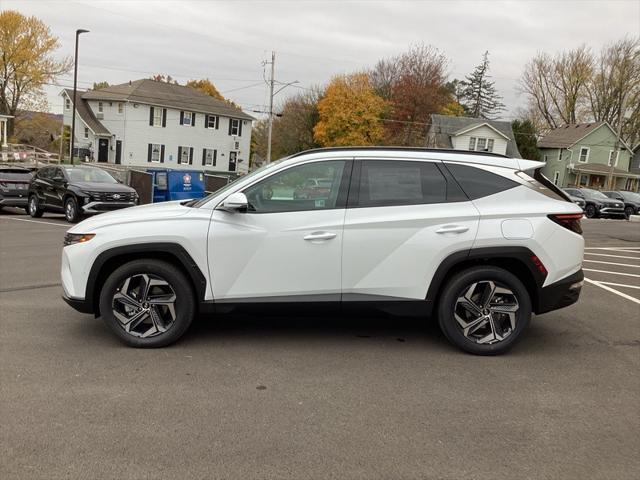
x,y
298,398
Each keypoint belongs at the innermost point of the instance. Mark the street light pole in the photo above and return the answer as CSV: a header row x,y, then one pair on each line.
x,y
75,88
270,125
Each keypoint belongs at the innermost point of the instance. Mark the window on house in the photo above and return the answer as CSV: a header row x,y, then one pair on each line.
x,y
556,177
584,154
86,132
545,158
613,157
472,143
100,107
184,155
157,117
234,128
120,107
559,154
187,118
155,152
211,121
481,145
490,143
209,157
67,103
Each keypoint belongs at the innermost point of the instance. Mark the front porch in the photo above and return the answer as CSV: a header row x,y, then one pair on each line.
x,y
596,176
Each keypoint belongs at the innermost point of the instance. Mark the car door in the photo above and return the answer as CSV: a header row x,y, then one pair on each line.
x,y
57,189
283,248
42,185
404,217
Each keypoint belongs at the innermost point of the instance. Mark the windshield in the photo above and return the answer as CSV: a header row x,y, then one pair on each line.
x,y
89,175
593,193
231,185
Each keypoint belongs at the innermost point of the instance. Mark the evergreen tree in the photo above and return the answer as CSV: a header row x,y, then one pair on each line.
x,y
479,96
526,137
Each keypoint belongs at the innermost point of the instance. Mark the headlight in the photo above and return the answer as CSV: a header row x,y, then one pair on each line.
x,y
73,238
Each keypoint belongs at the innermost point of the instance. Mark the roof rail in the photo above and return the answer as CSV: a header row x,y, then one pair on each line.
x,y
400,149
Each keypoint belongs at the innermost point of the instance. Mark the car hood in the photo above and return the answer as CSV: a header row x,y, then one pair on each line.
x,y
142,213
102,187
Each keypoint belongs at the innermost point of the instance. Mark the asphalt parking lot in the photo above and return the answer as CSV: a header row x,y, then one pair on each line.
x,y
246,397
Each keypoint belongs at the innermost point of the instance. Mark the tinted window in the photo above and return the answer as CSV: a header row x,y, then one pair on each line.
x,y
312,186
89,175
478,183
46,173
396,182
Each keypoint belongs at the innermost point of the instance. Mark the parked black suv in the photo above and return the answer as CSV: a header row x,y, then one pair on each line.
x,y
597,204
76,191
14,186
631,201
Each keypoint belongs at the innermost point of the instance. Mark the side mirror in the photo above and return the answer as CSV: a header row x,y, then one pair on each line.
x,y
236,202
58,179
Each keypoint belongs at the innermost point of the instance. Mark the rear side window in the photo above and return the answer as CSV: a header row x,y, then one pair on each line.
x,y
396,182
478,183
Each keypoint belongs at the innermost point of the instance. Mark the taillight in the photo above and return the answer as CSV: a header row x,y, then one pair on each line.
x,y
568,220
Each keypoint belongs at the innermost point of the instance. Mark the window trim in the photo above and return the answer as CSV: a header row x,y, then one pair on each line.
x,y
182,149
615,164
86,132
120,108
184,118
156,111
231,120
67,103
214,157
586,160
100,107
159,152
474,141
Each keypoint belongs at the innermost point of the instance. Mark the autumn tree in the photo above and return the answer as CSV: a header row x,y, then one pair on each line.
x,y
526,137
159,77
557,85
350,113
207,87
479,95
414,85
99,85
26,62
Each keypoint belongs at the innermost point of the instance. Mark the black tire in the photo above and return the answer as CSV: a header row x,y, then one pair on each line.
x,y
590,211
185,305
628,211
458,285
33,207
71,210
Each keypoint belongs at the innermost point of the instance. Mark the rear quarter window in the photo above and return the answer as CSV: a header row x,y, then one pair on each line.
x,y
478,183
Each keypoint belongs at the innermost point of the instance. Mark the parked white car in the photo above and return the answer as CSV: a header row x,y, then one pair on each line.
x,y
481,239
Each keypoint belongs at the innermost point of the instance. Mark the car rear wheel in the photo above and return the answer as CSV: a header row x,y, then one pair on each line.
x,y
628,211
147,303
590,211
484,310
33,208
71,211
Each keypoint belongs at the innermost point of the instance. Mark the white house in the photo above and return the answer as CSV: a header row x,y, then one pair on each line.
x,y
476,134
148,123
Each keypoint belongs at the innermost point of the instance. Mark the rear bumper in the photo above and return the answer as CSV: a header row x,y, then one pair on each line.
x,y
13,201
560,294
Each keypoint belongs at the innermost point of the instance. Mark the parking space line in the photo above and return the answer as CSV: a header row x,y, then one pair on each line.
x,y
613,273
612,263
34,221
613,290
619,285
609,255
612,248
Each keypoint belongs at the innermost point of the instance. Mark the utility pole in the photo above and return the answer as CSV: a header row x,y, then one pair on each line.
x,y
273,68
623,105
75,88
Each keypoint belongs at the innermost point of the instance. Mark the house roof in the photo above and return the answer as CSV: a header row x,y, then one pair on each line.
x,y
443,127
165,94
86,114
568,135
600,168
478,125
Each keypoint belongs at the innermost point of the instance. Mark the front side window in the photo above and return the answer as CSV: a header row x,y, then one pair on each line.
x,y
291,190
155,152
584,154
393,183
234,128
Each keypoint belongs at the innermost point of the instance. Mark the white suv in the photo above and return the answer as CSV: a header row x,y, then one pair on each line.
x,y
480,239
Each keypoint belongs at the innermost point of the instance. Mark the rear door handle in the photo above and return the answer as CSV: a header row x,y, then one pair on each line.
x,y
320,236
452,229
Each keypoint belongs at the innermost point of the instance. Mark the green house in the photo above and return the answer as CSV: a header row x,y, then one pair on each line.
x,y
585,155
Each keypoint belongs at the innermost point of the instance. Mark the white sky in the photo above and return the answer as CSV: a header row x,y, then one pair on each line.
x,y
226,41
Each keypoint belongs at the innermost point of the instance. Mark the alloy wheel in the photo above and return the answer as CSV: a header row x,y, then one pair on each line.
x,y
486,312
33,205
70,211
144,305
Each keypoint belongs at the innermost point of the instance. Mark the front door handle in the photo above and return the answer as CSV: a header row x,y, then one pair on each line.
x,y
320,236
452,229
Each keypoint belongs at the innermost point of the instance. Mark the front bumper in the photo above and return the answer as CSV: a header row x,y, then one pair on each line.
x,y
611,212
79,304
99,207
560,294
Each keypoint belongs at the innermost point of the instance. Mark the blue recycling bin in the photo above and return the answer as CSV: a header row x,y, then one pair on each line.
x,y
176,184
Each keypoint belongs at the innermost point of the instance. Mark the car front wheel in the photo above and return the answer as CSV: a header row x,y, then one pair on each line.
x,y
628,211
147,303
71,212
484,310
590,211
